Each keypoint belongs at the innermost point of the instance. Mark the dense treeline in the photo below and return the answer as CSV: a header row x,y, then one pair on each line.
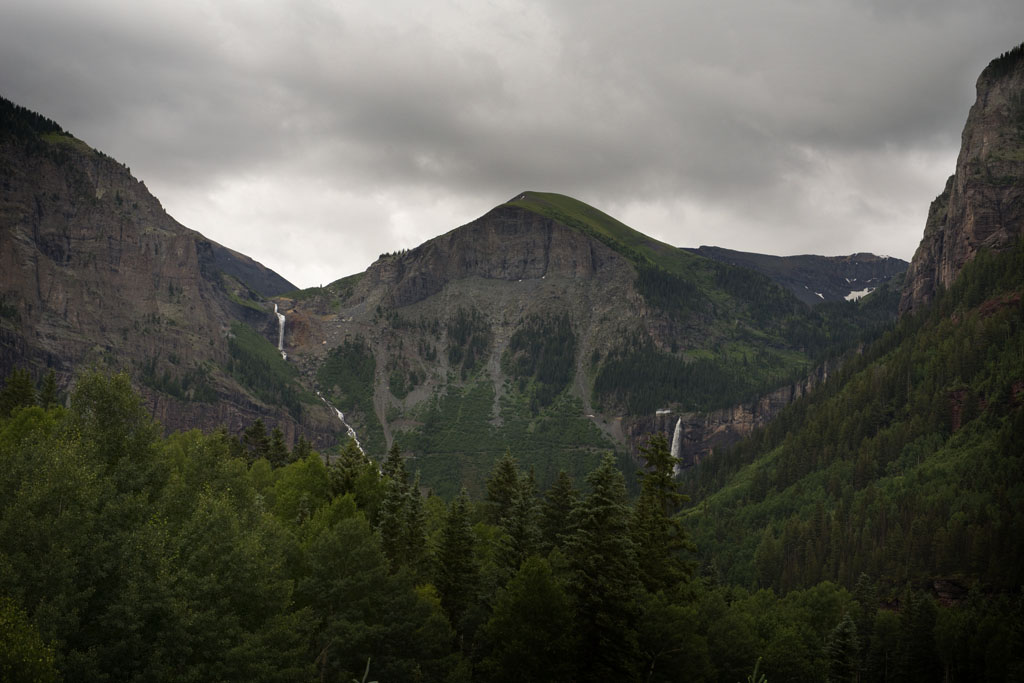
x,y
469,338
640,378
131,556
542,349
23,123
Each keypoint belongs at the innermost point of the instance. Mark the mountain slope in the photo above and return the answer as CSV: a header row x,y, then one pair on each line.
x,y
906,465
548,327
96,273
814,279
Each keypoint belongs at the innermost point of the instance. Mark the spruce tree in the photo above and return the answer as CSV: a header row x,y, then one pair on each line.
x,y
659,537
277,451
842,652
18,392
256,442
522,533
456,573
502,487
391,519
604,577
48,392
394,466
303,449
414,539
556,511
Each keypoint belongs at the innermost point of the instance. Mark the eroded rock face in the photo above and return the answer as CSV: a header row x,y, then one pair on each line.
x,y
96,274
508,243
982,205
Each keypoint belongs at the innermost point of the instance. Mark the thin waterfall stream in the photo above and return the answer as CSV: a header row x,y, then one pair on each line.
x,y
341,416
280,332
677,446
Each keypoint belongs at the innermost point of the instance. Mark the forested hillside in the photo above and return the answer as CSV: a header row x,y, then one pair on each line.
x,y
129,556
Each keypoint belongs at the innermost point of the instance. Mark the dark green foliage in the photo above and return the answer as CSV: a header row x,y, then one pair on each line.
x,y
456,573
641,379
23,655
469,339
604,581
191,385
346,378
18,392
131,556
277,451
542,351
530,635
556,511
257,365
48,391
255,441
669,292
662,548
457,444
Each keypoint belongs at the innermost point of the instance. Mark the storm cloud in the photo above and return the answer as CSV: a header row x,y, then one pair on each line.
x,y
313,136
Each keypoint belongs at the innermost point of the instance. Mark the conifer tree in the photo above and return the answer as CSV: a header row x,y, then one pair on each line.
x,y
502,487
658,536
842,651
604,577
18,392
456,573
391,519
394,465
302,450
48,392
415,537
255,440
277,451
556,512
522,533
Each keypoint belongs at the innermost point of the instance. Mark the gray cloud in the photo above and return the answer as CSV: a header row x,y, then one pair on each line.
x,y
315,136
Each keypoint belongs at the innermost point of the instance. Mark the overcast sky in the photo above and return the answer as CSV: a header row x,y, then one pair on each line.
x,y
315,135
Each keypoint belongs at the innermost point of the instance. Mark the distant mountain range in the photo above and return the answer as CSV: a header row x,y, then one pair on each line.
x,y
814,279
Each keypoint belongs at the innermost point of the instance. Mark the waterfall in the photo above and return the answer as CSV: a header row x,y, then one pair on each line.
x,y
280,333
677,445
341,416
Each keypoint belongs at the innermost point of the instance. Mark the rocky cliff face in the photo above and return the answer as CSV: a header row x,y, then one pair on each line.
x,y
95,273
982,205
507,243
703,433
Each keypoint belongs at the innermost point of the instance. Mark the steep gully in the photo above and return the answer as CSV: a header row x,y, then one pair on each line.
x,y
341,416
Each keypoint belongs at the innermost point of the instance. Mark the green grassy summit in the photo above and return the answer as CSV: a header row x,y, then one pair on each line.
x,y
637,246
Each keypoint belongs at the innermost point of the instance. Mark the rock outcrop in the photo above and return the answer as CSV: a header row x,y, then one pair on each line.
x,y
703,433
982,205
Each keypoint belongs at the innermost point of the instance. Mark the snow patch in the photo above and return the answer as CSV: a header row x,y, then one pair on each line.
x,y
853,296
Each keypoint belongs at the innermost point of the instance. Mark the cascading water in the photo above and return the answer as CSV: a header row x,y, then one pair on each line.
x,y
280,332
348,428
677,446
